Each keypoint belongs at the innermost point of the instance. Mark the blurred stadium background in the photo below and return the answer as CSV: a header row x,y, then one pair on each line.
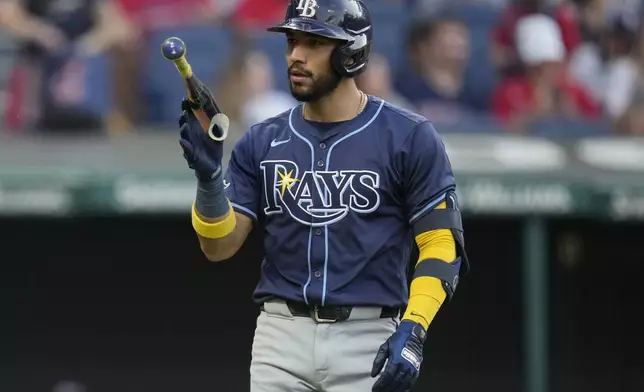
x,y
541,106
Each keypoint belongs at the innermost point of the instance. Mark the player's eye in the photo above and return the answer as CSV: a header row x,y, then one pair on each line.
x,y
290,41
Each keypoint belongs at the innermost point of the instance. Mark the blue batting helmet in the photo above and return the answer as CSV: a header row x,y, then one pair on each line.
x,y
347,21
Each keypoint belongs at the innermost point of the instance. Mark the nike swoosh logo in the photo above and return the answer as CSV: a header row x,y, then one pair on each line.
x,y
226,184
418,315
275,143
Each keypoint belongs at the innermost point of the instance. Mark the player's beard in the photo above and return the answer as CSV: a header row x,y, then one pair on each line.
x,y
317,86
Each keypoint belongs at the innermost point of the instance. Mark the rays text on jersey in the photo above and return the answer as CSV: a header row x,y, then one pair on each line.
x,y
318,198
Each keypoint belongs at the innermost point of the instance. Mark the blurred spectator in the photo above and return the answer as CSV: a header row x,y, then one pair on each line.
x,y
592,17
59,58
262,100
376,80
424,8
545,89
504,45
246,91
65,77
434,79
607,62
148,17
228,92
632,122
256,15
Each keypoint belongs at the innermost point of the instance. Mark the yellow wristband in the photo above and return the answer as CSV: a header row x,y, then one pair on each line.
x,y
214,230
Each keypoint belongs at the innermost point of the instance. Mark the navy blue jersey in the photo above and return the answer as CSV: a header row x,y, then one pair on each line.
x,y
337,201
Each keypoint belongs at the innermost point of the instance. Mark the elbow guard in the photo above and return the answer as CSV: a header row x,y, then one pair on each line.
x,y
447,218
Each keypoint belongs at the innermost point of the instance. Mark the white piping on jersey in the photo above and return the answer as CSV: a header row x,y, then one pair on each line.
x,y
326,168
246,210
308,251
326,232
429,206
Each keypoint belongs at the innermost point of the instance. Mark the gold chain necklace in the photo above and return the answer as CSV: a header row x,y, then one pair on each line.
x,y
363,103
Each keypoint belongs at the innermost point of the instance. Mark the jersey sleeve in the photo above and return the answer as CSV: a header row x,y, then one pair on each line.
x,y
427,171
241,181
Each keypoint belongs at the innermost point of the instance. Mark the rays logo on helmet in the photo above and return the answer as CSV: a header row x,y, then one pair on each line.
x,y
318,198
307,8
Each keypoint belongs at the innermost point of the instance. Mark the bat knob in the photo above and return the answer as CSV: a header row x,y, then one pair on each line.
x,y
173,48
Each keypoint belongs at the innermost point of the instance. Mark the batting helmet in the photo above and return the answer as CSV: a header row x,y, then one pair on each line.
x,y
347,21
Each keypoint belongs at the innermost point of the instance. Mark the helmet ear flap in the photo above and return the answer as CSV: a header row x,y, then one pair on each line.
x,y
337,61
348,62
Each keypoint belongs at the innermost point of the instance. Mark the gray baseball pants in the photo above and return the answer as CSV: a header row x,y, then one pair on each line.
x,y
296,354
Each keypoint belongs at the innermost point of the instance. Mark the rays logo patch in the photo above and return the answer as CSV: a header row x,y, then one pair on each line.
x,y
318,198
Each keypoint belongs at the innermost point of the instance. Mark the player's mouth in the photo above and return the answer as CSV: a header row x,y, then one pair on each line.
x,y
298,76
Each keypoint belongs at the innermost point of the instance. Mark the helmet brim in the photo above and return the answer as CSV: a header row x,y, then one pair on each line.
x,y
314,27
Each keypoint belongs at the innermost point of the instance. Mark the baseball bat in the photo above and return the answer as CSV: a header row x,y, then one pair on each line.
x,y
207,111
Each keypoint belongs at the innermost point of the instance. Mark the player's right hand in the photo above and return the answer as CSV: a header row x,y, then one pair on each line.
x,y
203,154
402,353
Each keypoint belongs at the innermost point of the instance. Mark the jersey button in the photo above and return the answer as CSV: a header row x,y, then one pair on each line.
x,y
320,163
318,231
322,145
317,274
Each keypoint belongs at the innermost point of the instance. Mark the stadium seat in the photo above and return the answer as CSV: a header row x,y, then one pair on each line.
x,y
470,123
389,21
480,70
480,19
7,52
77,84
567,128
477,14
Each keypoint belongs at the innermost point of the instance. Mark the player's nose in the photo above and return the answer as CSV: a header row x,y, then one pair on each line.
x,y
297,54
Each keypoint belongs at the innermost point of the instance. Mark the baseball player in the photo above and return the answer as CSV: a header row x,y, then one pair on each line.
x,y
343,186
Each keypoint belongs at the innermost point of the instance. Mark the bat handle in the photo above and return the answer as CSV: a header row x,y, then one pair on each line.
x,y
217,123
184,68
221,122
174,49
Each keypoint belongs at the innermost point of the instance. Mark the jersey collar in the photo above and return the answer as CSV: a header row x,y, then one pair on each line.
x,y
322,133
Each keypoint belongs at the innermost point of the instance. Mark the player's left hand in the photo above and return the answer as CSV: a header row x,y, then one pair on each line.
x,y
403,352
